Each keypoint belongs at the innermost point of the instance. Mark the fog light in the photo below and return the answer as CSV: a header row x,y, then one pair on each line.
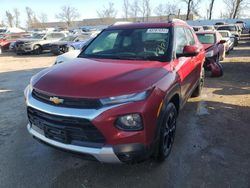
x,y
131,122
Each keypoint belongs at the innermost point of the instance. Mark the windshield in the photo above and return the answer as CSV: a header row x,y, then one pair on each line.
x,y
229,28
224,34
206,38
135,44
68,38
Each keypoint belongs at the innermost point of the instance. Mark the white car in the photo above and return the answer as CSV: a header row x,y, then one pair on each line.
x,y
38,43
229,38
70,55
67,57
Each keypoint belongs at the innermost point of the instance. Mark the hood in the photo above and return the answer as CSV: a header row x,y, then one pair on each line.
x,y
98,78
207,46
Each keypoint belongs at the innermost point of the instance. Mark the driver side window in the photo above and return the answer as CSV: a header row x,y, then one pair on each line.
x,y
181,40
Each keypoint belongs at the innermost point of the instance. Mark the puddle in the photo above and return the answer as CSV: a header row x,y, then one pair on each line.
x,y
202,108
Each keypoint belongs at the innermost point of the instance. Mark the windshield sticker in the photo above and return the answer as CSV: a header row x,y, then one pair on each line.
x,y
157,30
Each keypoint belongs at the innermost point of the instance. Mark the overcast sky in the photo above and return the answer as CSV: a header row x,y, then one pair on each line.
x,y
87,8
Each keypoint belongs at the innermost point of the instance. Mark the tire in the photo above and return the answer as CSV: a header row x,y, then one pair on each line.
x,y
167,132
37,49
197,91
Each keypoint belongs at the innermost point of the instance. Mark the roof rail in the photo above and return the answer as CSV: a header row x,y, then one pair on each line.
x,y
121,23
176,20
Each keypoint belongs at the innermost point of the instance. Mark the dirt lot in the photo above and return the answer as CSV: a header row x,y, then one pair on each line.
x,y
212,147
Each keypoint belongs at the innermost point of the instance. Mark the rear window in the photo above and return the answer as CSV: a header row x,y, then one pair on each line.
x,y
228,28
206,38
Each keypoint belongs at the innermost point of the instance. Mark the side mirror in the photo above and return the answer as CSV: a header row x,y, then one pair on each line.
x,y
222,41
189,51
44,38
77,40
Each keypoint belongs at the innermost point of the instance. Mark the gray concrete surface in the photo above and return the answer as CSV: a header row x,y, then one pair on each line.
x,y
212,146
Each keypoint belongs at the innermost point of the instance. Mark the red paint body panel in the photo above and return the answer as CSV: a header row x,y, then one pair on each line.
x,y
101,78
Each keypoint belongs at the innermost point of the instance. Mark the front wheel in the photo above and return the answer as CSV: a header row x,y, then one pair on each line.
x,y
37,49
167,132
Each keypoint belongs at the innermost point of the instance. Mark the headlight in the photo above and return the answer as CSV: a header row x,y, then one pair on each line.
x,y
210,53
125,98
131,122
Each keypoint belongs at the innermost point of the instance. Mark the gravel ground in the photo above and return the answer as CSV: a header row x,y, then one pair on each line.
x,y
211,147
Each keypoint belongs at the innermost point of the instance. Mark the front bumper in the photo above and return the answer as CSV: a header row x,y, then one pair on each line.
x,y
104,154
120,146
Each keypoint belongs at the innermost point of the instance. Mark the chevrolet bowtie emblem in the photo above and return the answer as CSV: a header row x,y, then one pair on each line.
x,y
56,100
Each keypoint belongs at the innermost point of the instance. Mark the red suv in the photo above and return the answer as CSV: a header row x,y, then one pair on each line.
x,y
119,100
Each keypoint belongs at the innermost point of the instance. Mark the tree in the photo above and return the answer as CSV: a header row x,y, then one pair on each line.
x,y
126,9
10,18
160,11
107,12
145,9
166,9
192,7
134,10
171,8
236,7
211,6
16,17
30,15
68,14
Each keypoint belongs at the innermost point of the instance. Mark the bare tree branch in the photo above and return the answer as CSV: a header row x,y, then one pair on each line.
x,y
211,6
107,12
68,14
16,17
192,7
125,7
10,18
236,8
134,10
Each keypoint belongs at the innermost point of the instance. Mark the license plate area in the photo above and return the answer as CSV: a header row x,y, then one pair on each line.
x,y
56,134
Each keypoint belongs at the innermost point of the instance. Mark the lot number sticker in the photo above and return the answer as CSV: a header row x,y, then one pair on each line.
x,y
157,30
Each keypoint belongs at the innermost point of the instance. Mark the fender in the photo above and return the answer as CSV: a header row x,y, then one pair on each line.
x,y
174,90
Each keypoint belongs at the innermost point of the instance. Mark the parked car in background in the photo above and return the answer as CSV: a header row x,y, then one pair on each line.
x,y
215,51
65,43
119,101
77,47
7,39
208,28
229,40
197,28
217,24
233,29
38,43
241,24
